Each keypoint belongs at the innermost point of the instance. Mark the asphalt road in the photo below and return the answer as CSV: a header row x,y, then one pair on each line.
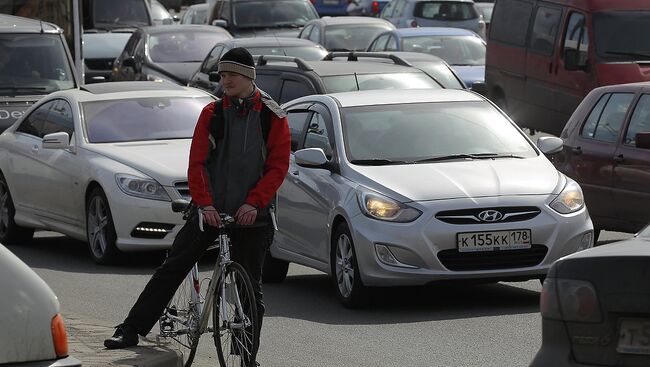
x,y
464,325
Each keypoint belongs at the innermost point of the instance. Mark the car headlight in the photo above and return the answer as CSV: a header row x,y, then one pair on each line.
x,y
383,208
570,199
146,188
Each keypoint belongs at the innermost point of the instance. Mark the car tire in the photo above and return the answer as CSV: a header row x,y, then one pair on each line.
x,y
345,270
100,230
10,232
275,270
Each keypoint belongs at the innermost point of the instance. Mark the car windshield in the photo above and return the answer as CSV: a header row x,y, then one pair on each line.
x,y
120,13
33,64
445,10
622,35
198,16
269,14
355,82
351,37
182,46
456,50
141,119
421,131
309,53
441,73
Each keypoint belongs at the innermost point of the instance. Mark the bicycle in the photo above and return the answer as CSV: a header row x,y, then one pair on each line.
x,y
229,299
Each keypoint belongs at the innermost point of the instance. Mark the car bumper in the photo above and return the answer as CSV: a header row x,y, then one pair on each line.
x,y
68,361
417,245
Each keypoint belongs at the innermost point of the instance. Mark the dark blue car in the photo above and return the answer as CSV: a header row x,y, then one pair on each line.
x,y
331,7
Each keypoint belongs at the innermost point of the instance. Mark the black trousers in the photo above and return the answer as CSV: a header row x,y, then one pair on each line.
x,y
248,248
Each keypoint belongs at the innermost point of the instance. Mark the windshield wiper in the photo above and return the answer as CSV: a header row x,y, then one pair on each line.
x,y
497,155
286,25
15,88
628,53
376,162
466,156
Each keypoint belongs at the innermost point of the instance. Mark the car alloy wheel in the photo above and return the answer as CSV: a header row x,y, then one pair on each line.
x,y
344,265
100,229
345,270
10,232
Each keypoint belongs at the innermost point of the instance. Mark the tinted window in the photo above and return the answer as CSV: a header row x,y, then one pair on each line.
x,y
33,124
317,135
445,10
547,23
59,119
622,35
116,13
510,21
354,82
604,123
415,131
296,126
182,46
142,118
304,52
576,37
213,59
273,13
350,38
640,121
456,50
292,89
270,84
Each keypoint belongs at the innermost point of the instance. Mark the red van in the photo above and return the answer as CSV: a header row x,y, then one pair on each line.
x,y
543,57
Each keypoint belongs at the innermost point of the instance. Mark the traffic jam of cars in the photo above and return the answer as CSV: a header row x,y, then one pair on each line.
x,y
431,140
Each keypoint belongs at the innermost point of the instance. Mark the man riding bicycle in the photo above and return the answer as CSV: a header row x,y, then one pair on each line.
x,y
238,160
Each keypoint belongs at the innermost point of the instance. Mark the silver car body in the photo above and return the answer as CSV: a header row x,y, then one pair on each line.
x,y
313,201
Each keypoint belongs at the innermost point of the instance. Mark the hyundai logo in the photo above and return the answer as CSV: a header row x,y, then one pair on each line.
x,y
490,215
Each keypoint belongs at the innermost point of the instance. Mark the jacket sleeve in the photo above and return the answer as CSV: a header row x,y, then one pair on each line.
x,y
197,173
278,148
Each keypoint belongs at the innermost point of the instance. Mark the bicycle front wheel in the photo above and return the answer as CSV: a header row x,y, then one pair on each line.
x,y
235,318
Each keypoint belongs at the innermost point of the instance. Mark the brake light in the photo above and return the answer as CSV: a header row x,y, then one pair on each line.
x,y
375,7
59,336
578,300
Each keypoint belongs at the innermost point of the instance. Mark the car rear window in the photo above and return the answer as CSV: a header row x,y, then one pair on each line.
x,y
309,53
354,82
183,46
445,10
351,37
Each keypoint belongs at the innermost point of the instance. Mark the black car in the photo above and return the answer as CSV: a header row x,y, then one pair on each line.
x,y
34,61
254,18
287,78
171,53
304,49
345,33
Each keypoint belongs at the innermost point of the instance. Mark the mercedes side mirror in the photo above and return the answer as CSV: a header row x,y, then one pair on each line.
x,y
220,23
60,140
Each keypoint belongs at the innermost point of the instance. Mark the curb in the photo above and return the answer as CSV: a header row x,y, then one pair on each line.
x,y
86,343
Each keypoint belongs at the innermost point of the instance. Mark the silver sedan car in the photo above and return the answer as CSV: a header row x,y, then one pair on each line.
x,y
390,188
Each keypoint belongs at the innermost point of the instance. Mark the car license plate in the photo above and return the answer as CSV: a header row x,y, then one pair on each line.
x,y
634,337
493,241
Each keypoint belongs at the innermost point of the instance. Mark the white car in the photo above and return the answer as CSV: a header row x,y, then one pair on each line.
x,y
391,188
101,164
33,333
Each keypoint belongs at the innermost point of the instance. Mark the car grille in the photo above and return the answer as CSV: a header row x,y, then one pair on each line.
x,y
489,260
183,189
472,216
99,64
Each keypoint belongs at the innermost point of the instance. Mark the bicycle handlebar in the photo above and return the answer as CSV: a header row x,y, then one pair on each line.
x,y
225,219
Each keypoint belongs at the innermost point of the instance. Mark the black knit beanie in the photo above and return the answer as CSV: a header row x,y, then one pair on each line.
x,y
238,60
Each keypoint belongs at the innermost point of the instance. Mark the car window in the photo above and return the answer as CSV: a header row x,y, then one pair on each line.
x,y
225,11
59,119
317,136
270,83
441,73
305,32
351,38
388,9
182,46
315,35
120,13
545,27
631,28
576,38
455,50
158,12
640,121
354,82
391,45
33,124
212,60
297,121
510,21
379,43
292,89
263,13
445,10
605,120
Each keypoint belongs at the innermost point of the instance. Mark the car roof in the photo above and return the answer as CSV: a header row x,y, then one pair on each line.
x,y
121,90
433,31
329,68
179,28
627,87
268,42
384,97
13,24
351,20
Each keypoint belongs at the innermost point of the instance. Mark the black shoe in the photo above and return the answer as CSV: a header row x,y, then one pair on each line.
x,y
125,336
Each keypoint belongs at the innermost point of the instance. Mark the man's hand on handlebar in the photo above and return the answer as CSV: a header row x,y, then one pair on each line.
x,y
246,215
211,216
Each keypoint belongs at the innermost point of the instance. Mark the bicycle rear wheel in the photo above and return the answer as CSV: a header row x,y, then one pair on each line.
x,y
180,319
235,318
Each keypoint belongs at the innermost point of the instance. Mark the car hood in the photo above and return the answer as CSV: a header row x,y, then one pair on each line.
x,y
466,179
180,72
28,306
470,74
104,45
164,161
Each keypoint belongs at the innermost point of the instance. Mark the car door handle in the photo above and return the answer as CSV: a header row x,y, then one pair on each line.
x,y
35,149
619,158
577,150
295,173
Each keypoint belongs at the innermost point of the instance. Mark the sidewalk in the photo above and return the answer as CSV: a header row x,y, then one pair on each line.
x,y
86,343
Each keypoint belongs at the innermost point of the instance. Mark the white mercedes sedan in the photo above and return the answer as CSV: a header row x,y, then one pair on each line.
x,y
101,164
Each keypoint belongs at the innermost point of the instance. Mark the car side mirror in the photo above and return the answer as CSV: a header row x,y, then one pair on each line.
x,y
642,140
220,23
214,77
311,158
60,140
129,62
480,88
550,145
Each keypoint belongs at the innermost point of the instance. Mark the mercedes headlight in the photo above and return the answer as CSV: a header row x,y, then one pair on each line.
x,y
570,199
383,208
146,188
